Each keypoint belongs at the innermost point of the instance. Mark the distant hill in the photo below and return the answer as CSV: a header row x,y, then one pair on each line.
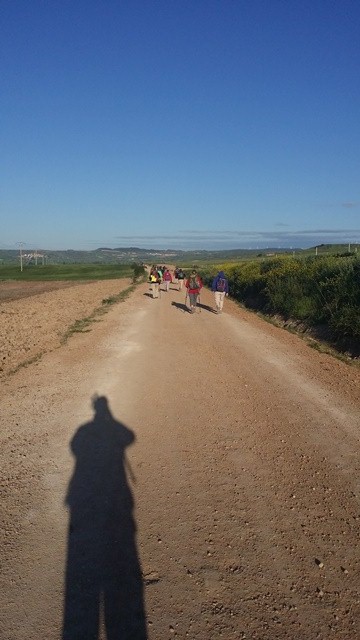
x,y
126,255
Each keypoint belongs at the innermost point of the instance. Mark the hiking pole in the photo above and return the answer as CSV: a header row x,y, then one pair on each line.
x,y
186,299
199,303
129,470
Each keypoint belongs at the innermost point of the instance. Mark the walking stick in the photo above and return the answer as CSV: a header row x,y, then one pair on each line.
x,y
199,302
186,299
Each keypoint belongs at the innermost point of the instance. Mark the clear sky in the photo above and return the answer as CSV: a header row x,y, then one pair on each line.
x,y
179,124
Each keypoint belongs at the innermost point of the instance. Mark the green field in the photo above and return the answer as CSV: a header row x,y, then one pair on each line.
x,y
66,272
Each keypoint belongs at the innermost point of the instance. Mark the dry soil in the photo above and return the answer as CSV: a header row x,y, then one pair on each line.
x,y
167,475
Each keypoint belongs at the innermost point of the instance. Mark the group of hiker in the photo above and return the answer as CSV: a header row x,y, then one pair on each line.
x,y
159,275
193,285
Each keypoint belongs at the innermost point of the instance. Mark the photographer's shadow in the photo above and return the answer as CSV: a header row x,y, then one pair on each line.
x,y
103,574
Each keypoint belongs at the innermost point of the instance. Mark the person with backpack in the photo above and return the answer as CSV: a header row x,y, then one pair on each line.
x,y
193,285
220,287
180,278
154,279
167,279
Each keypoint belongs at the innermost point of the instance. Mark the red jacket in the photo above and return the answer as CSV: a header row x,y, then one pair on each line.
x,y
198,280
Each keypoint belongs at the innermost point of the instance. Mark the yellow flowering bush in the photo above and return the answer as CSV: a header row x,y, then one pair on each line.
x,y
316,290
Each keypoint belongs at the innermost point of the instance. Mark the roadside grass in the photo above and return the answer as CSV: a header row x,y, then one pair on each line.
x,y
321,347
27,363
305,335
83,325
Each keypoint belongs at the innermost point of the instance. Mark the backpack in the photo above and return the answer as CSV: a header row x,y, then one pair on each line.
x,y
193,282
221,285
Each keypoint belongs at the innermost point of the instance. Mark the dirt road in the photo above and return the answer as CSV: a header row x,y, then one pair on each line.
x,y
169,475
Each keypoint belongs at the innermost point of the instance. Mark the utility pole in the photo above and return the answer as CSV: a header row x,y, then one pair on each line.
x,y
20,245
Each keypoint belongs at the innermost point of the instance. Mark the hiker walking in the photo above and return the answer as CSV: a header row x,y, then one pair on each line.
x,y
167,277
193,285
154,282
220,287
180,278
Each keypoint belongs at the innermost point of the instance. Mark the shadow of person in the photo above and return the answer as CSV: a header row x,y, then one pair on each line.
x,y
180,306
206,307
103,574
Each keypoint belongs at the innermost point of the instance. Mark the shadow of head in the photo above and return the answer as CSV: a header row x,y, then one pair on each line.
x,y
100,405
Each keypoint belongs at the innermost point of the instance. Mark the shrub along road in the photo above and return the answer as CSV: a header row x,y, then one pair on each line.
x,y
173,475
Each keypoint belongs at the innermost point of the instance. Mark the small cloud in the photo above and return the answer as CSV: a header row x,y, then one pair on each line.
x,y
350,204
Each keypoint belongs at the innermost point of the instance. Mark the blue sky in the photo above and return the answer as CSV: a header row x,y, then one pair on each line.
x,y
179,124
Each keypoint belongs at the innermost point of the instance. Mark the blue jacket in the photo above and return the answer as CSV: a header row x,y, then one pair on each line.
x,y
220,276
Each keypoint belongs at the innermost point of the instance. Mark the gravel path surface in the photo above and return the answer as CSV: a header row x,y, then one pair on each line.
x,y
169,475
